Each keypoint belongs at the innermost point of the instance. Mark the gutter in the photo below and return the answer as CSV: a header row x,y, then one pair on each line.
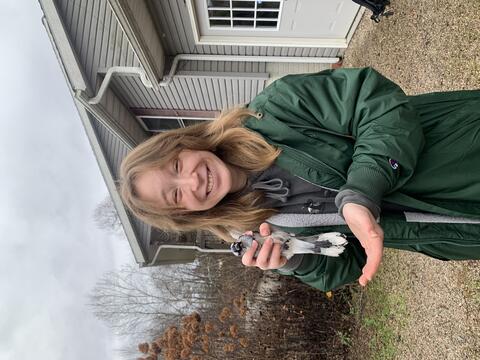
x,y
200,57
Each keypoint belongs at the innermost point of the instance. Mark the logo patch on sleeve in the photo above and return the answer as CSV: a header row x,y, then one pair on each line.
x,y
394,164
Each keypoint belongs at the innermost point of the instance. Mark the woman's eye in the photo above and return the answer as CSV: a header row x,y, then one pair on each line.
x,y
175,165
175,197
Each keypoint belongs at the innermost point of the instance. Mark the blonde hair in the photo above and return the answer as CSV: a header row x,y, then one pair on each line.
x,y
231,142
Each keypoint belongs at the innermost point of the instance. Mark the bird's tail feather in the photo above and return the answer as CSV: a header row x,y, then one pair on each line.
x,y
331,251
330,244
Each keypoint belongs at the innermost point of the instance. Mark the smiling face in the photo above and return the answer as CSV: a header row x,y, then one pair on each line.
x,y
194,180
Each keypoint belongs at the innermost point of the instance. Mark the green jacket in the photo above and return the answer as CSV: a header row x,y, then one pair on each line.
x,y
355,129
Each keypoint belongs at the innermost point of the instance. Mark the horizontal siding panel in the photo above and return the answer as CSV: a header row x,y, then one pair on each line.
x,y
280,69
173,21
149,35
222,66
113,148
206,91
114,151
113,106
97,38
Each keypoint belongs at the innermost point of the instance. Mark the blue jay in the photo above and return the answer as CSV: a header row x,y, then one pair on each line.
x,y
329,244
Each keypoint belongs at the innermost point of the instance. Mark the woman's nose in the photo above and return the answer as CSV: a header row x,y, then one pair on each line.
x,y
190,181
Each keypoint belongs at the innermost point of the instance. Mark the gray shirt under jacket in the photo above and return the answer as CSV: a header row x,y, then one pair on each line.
x,y
299,200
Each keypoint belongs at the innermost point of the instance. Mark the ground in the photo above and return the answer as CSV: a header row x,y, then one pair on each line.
x,y
421,308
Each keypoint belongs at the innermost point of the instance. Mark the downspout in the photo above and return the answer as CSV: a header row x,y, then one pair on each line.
x,y
200,57
127,70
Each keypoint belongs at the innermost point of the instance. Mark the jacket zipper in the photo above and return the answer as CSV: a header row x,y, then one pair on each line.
x,y
315,162
324,131
320,186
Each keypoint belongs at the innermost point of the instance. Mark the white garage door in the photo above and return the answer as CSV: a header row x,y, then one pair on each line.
x,y
287,19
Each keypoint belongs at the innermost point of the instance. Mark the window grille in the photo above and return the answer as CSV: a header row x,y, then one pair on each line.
x,y
244,14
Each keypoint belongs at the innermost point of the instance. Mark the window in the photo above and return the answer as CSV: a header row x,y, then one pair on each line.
x,y
244,14
159,124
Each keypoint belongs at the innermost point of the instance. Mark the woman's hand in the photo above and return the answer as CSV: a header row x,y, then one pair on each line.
x,y
270,255
363,225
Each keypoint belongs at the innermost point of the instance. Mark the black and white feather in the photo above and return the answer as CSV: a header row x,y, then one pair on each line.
x,y
329,244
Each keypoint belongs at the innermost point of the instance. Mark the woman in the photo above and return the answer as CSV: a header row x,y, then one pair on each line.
x,y
401,171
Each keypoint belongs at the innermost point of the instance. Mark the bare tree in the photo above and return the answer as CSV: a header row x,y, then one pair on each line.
x,y
106,216
135,301
284,316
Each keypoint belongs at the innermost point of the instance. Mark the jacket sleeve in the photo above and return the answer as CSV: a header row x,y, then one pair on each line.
x,y
363,105
327,272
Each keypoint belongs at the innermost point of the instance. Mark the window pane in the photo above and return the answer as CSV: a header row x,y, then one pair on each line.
x,y
219,13
243,23
159,124
218,3
244,14
192,122
268,5
220,23
267,15
266,24
243,4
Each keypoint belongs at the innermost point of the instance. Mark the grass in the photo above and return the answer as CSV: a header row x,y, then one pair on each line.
x,y
344,338
469,278
381,314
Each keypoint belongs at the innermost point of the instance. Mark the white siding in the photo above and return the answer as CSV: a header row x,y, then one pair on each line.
x,y
114,150
96,36
280,69
112,105
173,21
192,91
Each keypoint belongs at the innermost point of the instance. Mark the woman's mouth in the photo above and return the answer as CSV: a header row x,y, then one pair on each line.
x,y
209,181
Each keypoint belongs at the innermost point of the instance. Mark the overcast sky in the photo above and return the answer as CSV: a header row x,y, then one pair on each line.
x,y
51,253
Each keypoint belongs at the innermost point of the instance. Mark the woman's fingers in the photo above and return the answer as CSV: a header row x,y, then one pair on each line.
x,y
263,256
374,251
276,258
265,229
268,258
363,225
248,259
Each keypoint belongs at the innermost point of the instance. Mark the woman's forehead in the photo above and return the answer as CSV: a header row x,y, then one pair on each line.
x,y
151,185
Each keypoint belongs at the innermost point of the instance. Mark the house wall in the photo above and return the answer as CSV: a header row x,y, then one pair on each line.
x,y
100,43
117,109
114,150
193,91
175,29
280,69
96,36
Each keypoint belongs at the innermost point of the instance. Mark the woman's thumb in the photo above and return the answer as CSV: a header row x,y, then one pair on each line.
x,y
264,229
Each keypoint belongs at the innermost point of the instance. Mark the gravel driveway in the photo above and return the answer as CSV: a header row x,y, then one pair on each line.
x,y
429,46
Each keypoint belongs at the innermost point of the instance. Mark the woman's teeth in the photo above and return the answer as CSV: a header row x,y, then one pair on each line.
x,y
210,182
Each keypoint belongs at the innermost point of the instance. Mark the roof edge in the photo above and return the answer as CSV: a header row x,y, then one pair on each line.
x,y
76,80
